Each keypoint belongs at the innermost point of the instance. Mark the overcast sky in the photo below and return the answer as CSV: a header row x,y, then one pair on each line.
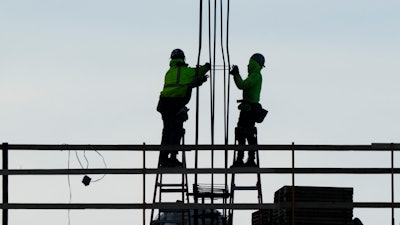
x,y
90,72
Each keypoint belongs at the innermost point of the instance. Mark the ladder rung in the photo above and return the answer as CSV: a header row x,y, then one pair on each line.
x,y
169,185
245,188
209,195
173,190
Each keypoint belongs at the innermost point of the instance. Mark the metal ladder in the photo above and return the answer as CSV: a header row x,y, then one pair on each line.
x,y
234,187
181,188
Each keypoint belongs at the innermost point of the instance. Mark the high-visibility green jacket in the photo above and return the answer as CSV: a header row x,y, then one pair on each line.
x,y
251,86
180,79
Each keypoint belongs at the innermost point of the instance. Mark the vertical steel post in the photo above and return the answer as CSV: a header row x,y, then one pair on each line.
x,y
144,183
392,178
5,183
293,183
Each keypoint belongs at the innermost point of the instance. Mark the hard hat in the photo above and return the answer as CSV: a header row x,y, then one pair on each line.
x,y
258,58
177,54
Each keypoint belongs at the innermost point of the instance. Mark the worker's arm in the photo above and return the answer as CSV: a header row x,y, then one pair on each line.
x,y
249,82
200,78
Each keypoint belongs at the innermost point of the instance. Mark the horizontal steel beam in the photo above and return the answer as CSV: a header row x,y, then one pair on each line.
x,y
202,171
179,206
67,147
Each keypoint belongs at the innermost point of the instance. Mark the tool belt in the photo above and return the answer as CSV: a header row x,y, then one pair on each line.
x,y
173,107
256,109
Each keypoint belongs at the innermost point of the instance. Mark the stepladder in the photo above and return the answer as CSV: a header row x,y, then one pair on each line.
x,y
171,187
238,178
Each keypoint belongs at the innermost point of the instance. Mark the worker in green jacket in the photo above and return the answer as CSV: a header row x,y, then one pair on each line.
x,y
250,109
178,83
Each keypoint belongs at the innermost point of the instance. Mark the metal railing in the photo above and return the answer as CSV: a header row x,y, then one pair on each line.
x,y
6,172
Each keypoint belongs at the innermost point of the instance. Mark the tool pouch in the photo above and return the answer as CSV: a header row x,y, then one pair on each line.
x,y
256,110
182,115
259,112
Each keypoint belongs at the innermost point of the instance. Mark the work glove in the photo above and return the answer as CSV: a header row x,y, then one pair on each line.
x,y
208,66
203,78
235,70
199,81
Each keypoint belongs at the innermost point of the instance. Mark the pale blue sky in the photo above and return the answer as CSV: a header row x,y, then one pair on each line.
x,y
91,71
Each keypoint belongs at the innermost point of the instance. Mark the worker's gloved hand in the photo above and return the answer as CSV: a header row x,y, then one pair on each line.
x,y
199,81
204,78
208,66
235,70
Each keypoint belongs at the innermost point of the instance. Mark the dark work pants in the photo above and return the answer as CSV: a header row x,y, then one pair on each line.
x,y
173,124
246,130
171,134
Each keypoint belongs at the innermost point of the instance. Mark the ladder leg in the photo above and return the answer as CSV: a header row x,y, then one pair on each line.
x,y
231,200
181,187
155,191
251,136
185,185
260,200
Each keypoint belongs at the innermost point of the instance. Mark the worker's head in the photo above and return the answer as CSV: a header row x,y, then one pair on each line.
x,y
177,54
259,59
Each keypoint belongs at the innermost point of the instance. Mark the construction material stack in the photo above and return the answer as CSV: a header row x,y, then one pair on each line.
x,y
332,210
262,217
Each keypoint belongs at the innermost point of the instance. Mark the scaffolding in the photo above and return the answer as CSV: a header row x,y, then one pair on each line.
x,y
145,171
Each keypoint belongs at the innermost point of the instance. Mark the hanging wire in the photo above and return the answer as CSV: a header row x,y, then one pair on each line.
x,y
79,160
104,162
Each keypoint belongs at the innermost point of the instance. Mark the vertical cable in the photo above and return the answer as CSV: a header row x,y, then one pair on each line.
x,y
197,102
211,56
213,98
212,80
197,89
224,72
224,65
228,90
212,71
229,83
226,95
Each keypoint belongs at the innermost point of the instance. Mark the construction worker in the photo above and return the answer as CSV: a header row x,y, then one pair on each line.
x,y
178,83
250,109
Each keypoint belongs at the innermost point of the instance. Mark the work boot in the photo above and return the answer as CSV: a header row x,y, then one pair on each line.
x,y
251,159
237,163
163,161
174,162
250,163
